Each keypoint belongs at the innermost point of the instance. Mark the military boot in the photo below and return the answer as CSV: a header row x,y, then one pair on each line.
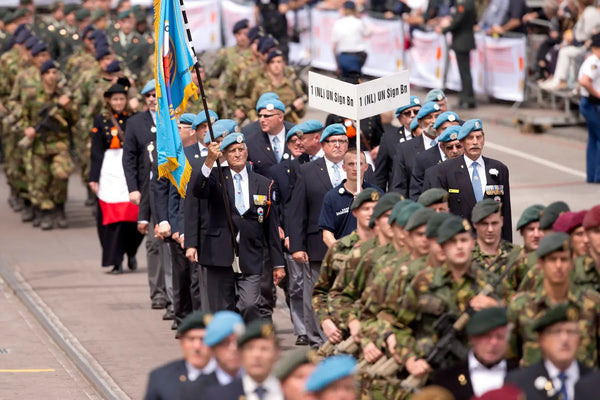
x,y
47,222
27,212
91,198
13,201
37,216
60,217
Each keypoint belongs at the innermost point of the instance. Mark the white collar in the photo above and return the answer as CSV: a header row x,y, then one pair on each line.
x,y
223,377
320,154
572,372
476,365
271,384
280,135
243,173
330,164
470,162
193,373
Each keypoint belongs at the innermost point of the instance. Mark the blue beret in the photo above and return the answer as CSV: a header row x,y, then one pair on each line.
x,y
187,118
450,133
47,65
414,124
445,117
266,43
223,127
114,66
332,130
38,48
435,95
414,102
270,104
241,24
266,96
20,28
201,118
22,36
254,33
32,41
330,370
88,30
306,127
148,87
231,139
427,109
274,53
470,126
101,52
222,324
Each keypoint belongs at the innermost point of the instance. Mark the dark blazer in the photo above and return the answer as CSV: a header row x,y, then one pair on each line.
x,y
305,207
385,156
166,202
462,388
524,378
194,218
260,152
232,391
170,382
255,237
423,161
454,177
403,164
588,387
137,136
430,177
254,127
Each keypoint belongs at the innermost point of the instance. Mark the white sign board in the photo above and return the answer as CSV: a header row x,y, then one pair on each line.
x,y
332,95
383,94
358,101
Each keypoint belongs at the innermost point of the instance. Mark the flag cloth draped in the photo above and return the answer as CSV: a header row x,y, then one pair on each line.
x,y
174,86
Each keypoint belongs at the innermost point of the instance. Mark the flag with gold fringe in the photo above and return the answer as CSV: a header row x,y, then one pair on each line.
x,y
174,86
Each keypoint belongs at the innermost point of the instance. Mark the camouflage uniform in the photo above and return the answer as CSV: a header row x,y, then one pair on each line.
x,y
508,255
245,85
585,275
134,50
50,160
289,90
526,307
334,261
78,62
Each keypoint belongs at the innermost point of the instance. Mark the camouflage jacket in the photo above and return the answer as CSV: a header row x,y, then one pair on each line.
x,y
526,307
334,261
12,63
288,90
508,255
585,275
77,63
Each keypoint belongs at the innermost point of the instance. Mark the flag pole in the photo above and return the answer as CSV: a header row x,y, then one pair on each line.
x,y
210,129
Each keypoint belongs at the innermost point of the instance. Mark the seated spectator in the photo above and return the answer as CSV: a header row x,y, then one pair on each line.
x,y
502,16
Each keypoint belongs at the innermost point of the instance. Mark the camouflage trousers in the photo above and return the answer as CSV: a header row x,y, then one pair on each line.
x,y
14,161
49,177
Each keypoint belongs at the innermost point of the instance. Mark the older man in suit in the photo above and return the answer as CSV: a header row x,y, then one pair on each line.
x,y
556,375
255,229
471,178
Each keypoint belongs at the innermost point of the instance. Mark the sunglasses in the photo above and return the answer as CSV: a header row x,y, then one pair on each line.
x,y
150,95
410,113
266,116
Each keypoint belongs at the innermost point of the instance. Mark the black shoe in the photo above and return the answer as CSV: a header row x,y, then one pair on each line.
x,y
47,220
37,217
132,263
159,303
168,316
91,198
60,217
302,340
174,325
27,214
117,269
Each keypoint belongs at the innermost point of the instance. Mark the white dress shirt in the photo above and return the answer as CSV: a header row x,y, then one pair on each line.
x,y
271,384
223,377
427,142
480,171
572,377
442,154
244,185
153,115
349,33
320,154
407,134
193,373
329,165
484,379
203,150
281,137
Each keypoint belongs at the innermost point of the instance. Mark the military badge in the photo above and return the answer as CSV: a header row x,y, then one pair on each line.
x,y
260,200
150,147
451,118
453,191
374,196
153,129
270,107
466,225
239,139
286,156
453,136
261,214
462,380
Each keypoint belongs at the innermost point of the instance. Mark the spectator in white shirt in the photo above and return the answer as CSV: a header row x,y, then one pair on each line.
x,y
348,39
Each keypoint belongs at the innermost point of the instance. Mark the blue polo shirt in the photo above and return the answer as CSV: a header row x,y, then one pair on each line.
x,y
336,215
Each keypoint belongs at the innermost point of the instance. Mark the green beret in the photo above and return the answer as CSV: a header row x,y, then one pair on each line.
x,y
485,320
531,214
452,227
82,14
551,213
25,2
397,209
3,13
555,241
433,196
434,223
419,218
484,209
195,320
368,194
19,13
55,6
257,329
385,203
292,360
69,8
563,312
98,15
124,14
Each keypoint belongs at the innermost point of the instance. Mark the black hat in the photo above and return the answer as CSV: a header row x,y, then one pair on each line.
x,y
22,36
274,53
114,66
48,65
255,32
32,41
349,5
88,30
38,48
116,88
101,52
241,24
266,43
195,320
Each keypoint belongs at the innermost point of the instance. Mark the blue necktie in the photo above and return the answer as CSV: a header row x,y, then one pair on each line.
x,y
239,196
476,183
260,392
433,142
337,178
276,149
563,385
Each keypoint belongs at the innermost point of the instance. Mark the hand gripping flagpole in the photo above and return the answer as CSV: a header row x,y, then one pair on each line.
x,y
210,130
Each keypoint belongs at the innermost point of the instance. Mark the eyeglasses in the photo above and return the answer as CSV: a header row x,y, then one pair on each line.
x,y
294,141
456,146
150,95
266,116
410,113
334,142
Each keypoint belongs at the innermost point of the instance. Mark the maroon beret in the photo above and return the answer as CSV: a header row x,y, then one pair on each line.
x,y
506,392
592,218
568,221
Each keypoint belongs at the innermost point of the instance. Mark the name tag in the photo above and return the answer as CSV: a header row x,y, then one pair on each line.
x,y
494,190
453,191
342,211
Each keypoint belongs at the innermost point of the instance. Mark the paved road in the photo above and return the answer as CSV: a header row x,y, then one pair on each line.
x,y
110,316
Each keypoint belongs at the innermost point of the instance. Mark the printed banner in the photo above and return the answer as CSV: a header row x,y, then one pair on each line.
x,y
504,64
300,53
322,52
204,20
427,59
385,47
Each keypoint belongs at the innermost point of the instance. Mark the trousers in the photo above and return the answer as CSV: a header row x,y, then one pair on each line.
x,y
591,113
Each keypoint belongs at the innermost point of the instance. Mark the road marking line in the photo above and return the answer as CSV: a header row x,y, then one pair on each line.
x,y
535,159
28,370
